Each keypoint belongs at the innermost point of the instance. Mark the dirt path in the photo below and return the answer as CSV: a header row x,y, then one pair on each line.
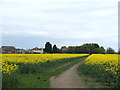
x,y
60,67
68,79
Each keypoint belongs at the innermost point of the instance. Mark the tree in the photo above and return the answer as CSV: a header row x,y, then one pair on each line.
x,y
84,50
71,49
91,47
100,51
103,48
55,49
48,47
63,49
110,50
77,49
119,51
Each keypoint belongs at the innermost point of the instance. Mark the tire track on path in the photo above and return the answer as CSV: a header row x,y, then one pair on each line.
x,y
68,79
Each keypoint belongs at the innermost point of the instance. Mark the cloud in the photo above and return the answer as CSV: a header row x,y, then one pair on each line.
x,y
59,1
86,20
25,33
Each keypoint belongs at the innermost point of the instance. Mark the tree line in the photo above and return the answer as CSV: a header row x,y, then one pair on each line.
x,y
87,48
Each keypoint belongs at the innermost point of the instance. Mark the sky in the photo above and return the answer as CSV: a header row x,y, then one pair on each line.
x,y
32,23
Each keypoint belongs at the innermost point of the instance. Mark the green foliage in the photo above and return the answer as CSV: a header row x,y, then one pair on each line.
x,y
41,80
119,51
42,67
100,51
100,74
71,49
10,81
63,49
55,49
89,48
110,51
48,47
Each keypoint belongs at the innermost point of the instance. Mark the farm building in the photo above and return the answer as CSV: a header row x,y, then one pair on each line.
x,y
8,49
36,50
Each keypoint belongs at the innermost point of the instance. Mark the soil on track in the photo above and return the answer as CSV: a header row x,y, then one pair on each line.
x,y
68,79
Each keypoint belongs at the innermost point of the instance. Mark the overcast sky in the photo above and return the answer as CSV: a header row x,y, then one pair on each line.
x,y
32,23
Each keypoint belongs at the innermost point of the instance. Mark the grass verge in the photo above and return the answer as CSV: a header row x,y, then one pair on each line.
x,y
41,80
91,79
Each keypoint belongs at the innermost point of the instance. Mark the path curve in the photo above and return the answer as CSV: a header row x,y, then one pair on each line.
x,y
68,79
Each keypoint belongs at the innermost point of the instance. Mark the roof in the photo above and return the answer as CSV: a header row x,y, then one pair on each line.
x,y
37,49
8,48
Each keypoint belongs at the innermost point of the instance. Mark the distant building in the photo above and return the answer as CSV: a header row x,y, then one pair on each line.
x,y
8,49
20,51
36,50
13,50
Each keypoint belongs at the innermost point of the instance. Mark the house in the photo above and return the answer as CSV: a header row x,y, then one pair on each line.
x,y
8,49
20,51
36,50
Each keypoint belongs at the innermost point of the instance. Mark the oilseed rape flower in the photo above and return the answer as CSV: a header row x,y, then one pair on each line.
x,y
8,69
107,61
10,62
103,67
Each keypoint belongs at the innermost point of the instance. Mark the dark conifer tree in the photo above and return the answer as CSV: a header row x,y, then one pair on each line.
x,y
48,47
55,49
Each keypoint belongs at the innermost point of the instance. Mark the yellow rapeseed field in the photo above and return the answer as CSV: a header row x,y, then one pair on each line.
x,y
107,61
10,61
